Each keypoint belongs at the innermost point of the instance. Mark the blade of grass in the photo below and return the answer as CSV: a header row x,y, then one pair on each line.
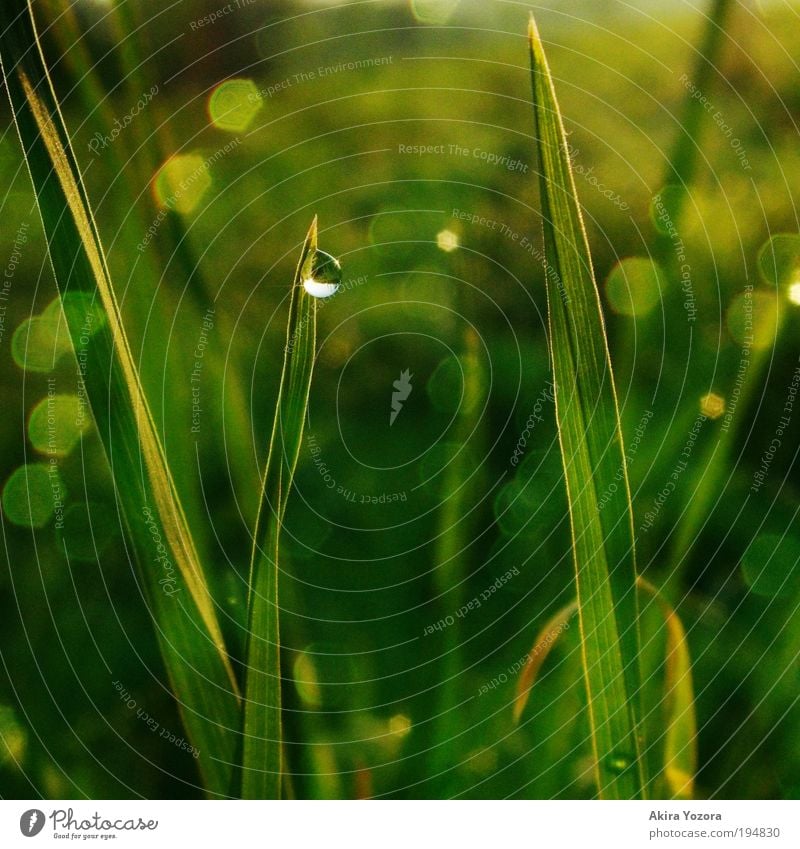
x,y
592,454
545,640
262,763
680,739
682,163
455,526
199,670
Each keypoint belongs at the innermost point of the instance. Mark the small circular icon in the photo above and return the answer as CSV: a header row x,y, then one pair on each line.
x,y
31,822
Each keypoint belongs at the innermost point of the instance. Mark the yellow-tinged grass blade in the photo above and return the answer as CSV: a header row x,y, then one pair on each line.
x,y
262,762
592,454
680,740
545,640
169,569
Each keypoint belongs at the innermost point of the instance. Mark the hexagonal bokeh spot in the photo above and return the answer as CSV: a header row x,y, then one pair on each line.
x,y
234,104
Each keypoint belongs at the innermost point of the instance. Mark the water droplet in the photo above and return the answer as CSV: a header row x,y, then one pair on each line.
x,y
617,762
324,276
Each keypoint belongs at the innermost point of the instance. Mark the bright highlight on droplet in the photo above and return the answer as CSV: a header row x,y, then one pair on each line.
x,y
634,286
319,290
324,275
712,406
794,293
234,104
447,241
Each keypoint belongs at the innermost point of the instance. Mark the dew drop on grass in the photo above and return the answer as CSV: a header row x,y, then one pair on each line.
x,y
324,276
634,286
56,424
771,565
30,495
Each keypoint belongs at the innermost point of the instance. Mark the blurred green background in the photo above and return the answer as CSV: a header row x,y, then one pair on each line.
x,y
209,136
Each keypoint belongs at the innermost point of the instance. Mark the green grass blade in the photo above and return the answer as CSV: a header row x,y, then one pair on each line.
x,y
169,569
262,761
455,533
592,453
682,164
545,640
680,719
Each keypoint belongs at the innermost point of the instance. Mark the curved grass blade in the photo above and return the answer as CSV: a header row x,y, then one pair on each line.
x,y
545,640
262,763
680,739
191,642
592,454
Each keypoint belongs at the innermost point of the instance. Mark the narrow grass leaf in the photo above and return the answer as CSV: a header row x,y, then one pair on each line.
x,y
593,458
545,640
169,569
262,756
680,721
680,739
